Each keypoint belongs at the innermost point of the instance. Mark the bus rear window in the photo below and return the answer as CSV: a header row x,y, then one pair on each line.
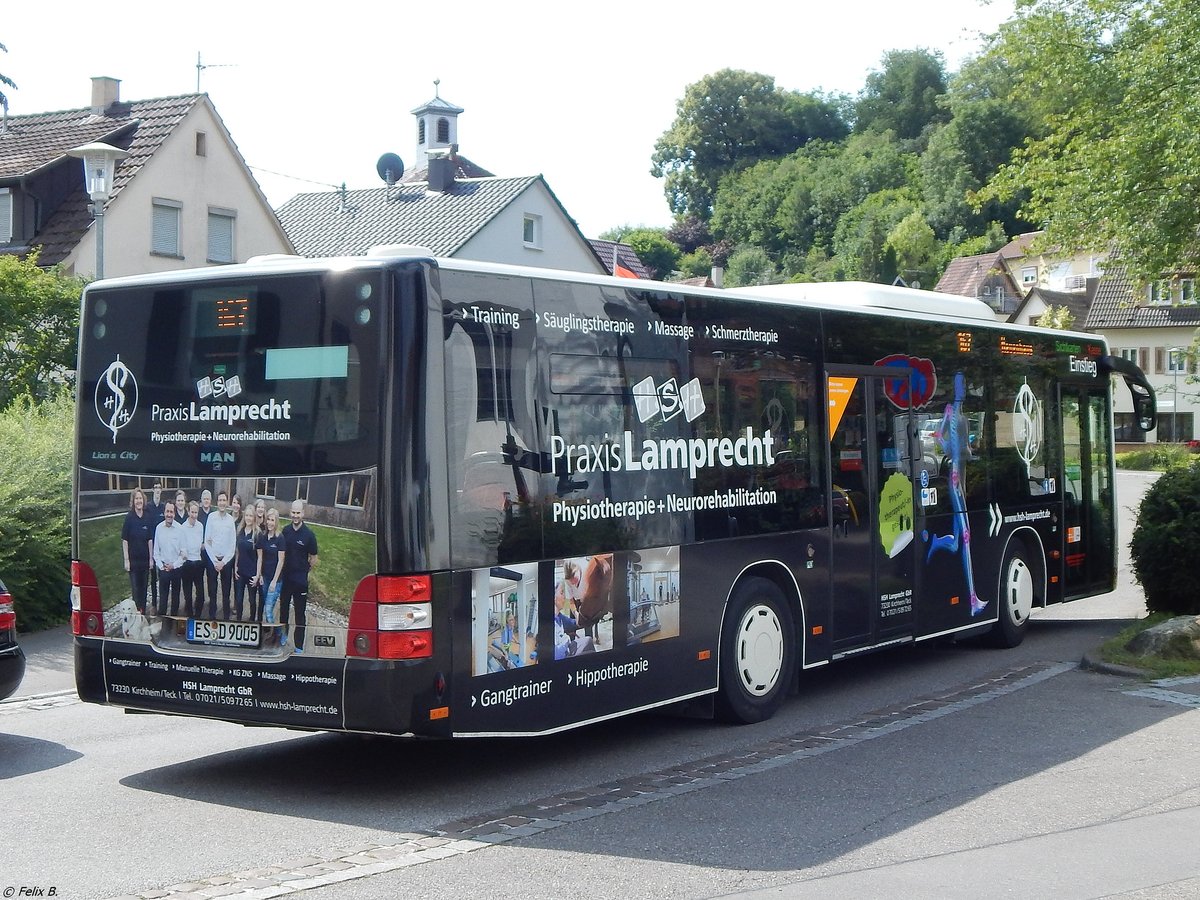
x,y
272,371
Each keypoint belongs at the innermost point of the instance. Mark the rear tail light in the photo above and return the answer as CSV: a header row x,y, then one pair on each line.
x,y
87,615
8,613
391,618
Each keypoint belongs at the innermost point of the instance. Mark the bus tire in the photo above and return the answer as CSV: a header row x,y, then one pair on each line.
x,y
757,654
1016,597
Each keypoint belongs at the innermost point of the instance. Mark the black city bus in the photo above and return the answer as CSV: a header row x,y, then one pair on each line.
x,y
532,500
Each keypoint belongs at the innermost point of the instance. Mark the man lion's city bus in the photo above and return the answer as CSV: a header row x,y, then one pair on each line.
x,y
401,495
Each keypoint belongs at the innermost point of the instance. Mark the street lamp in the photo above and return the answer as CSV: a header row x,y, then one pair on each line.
x,y
1175,357
99,162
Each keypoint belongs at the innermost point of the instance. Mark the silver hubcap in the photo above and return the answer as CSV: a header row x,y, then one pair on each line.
x,y
1019,591
760,650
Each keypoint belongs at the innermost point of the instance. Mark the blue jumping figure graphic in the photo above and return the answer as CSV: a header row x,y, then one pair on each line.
x,y
952,439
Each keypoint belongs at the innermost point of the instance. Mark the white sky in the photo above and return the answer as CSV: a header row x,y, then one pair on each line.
x,y
577,92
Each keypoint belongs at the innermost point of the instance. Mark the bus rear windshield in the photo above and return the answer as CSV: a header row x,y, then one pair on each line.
x,y
273,375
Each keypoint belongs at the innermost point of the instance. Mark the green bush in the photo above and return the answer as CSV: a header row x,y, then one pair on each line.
x,y
1166,542
35,503
1156,458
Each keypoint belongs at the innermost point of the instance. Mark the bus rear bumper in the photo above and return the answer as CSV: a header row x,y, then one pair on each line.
x,y
306,692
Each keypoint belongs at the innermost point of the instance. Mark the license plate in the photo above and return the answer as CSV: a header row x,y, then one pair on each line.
x,y
227,634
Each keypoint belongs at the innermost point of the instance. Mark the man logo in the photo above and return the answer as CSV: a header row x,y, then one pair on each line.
x,y
116,396
668,399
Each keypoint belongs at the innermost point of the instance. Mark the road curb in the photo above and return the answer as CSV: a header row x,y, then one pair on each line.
x,y
1095,664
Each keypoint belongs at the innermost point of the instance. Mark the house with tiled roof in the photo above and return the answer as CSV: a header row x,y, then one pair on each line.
x,y
445,205
983,277
182,197
1040,299
1033,264
1154,326
614,254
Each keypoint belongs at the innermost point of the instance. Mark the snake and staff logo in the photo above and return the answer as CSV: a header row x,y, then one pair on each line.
x,y
116,396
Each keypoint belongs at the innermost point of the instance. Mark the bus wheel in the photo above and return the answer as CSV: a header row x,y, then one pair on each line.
x,y
758,652
1017,595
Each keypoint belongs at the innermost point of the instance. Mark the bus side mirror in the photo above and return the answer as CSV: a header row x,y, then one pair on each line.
x,y
1145,406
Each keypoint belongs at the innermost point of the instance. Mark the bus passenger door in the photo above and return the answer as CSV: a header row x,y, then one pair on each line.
x,y
871,457
1089,537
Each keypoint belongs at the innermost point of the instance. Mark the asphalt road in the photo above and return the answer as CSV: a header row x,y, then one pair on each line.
x,y
947,771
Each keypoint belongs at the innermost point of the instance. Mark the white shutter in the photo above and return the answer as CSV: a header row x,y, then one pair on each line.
x,y
164,236
220,236
6,210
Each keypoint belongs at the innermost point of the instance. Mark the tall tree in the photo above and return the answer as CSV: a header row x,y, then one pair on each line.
x,y
39,324
1119,164
728,120
903,96
7,82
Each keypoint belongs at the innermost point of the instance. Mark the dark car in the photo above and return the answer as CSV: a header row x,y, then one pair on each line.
x,y
12,660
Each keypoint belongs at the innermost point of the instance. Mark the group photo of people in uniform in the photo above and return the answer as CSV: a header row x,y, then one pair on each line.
x,y
214,557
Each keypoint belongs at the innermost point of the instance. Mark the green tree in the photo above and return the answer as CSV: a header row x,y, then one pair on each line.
x,y
903,96
916,249
747,266
864,165
39,324
35,498
7,82
1056,317
861,240
696,264
1119,163
730,119
960,158
653,249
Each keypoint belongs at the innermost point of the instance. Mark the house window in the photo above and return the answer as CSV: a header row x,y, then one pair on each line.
x,y
1160,293
265,488
352,491
1176,361
201,144
532,231
6,215
220,235
1129,353
443,131
302,489
164,235
1187,291
1029,275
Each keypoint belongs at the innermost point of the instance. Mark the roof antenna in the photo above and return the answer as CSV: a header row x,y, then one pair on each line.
x,y
200,67
344,204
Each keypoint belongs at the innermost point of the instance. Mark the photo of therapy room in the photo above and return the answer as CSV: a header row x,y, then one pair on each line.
x,y
504,618
653,577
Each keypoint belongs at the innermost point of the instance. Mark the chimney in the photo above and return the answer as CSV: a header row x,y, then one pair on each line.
x,y
718,276
441,172
105,92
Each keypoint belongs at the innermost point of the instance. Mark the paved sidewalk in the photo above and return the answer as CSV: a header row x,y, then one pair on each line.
x,y
49,662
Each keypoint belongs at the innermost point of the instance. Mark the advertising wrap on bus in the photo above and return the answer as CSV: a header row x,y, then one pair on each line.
x,y
453,499
226,493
